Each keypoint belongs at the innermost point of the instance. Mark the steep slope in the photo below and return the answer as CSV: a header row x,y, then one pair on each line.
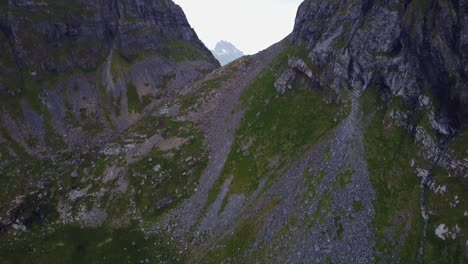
x,y
79,82
73,70
351,146
226,52
410,58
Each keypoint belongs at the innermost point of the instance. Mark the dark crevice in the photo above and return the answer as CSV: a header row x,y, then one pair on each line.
x,y
366,6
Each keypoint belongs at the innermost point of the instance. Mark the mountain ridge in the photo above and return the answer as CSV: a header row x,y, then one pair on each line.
x,y
98,52
225,52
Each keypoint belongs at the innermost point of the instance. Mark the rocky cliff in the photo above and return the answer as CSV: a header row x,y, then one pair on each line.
x,y
344,143
77,69
404,48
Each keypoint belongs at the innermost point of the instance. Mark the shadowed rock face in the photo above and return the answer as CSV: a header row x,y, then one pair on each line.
x,y
402,47
103,61
61,36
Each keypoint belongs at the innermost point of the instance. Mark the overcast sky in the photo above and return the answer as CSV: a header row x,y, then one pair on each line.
x,y
251,25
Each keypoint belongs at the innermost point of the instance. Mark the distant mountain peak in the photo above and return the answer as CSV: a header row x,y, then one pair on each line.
x,y
226,52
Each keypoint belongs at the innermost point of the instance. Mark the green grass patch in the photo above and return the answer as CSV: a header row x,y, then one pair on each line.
x,y
358,206
234,247
340,229
191,101
322,210
312,182
272,126
133,99
459,144
55,11
179,50
344,178
17,173
449,250
243,238
72,244
164,179
389,151
166,80
104,105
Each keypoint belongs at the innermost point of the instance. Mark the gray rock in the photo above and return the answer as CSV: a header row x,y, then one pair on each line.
x,y
357,44
164,202
285,80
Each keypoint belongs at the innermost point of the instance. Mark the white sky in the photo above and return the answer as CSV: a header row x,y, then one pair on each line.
x,y
251,25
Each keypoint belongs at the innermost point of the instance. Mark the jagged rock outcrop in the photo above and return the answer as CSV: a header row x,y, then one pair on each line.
x,y
286,79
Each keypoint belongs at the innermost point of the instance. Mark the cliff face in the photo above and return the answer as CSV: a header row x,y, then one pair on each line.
x,y
103,61
62,36
403,48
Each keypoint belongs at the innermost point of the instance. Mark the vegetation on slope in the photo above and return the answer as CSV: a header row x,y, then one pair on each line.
x,y
157,181
389,151
393,161
275,128
275,131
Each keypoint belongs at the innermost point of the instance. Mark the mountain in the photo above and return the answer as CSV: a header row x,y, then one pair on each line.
x,y
74,70
345,143
226,52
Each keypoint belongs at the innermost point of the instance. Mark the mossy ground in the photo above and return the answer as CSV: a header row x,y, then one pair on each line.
x,y
449,250
135,103
72,244
389,151
275,129
192,101
398,224
236,244
179,51
172,174
18,170
344,178
47,241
